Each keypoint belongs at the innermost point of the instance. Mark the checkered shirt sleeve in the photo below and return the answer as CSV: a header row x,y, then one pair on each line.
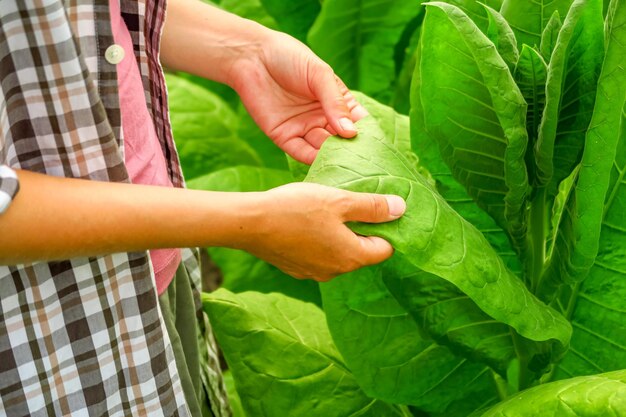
x,y
9,186
82,336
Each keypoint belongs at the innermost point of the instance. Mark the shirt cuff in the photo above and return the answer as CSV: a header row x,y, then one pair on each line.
x,y
9,186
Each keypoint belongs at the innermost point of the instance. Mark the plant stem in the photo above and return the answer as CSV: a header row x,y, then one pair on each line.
x,y
501,386
536,239
526,377
534,266
567,313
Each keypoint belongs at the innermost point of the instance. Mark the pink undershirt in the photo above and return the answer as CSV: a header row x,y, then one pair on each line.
x,y
142,151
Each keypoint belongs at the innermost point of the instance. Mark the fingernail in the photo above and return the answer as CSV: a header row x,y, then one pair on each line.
x,y
359,112
397,205
346,124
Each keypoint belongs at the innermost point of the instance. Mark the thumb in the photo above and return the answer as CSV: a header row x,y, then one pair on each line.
x,y
331,92
374,208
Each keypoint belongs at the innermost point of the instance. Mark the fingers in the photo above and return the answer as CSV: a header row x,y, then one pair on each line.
x,y
375,250
317,136
373,208
331,94
300,150
357,111
369,250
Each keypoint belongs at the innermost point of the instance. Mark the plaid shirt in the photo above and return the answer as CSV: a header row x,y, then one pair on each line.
x,y
83,336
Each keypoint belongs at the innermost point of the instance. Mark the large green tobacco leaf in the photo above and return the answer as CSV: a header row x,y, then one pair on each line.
x,y
204,130
475,10
432,236
432,301
451,190
596,306
283,359
529,18
530,75
293,17
450,317
550,35
389,356
578,238
570,92
357,38
589,396
475,111
396,126
502,36
464,340
298,169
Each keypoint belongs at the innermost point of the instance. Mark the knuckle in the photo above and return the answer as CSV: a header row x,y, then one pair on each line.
x,y
338,100
322,72
342,202
353,260
353,265
378,206
325,68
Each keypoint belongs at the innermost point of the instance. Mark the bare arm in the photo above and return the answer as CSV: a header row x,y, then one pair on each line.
x,y
202,39
59,218
299,227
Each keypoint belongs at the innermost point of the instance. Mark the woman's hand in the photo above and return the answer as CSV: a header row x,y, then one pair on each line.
x,y
302,230
291,93
294,96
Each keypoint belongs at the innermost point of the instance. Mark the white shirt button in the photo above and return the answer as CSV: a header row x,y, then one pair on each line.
x,y
114,54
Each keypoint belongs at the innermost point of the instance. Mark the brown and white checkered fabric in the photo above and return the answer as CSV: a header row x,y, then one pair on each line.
x,y
82,336
9,186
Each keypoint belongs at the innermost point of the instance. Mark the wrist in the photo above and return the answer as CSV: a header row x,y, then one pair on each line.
x,y
247,53
235,220
204,40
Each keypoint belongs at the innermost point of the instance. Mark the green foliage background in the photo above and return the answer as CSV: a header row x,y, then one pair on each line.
x,y
503,126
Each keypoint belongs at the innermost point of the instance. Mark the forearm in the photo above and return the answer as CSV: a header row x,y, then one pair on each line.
x,y
204,40
59,218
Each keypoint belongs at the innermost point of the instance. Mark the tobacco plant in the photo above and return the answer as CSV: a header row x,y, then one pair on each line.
x,y
506,292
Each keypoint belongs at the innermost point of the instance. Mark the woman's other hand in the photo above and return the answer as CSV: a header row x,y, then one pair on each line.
x,y
294,96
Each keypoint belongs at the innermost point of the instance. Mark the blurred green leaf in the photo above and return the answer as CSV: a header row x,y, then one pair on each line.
x,y
476,113
283,359
204,128
294,17
357,38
